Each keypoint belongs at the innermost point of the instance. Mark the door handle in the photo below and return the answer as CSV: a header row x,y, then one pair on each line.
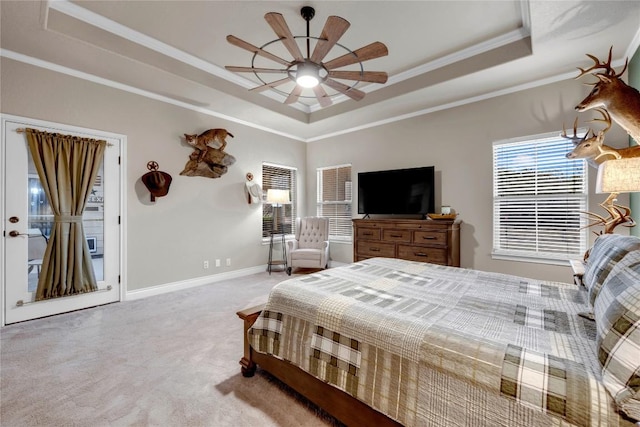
x,y
16,233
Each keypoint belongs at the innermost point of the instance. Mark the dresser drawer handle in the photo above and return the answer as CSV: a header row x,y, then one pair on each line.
x,y
367,234
396,235
420,254
429,237
374,249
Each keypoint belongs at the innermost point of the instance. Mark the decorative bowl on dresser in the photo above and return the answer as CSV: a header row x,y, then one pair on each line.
x,y
437,242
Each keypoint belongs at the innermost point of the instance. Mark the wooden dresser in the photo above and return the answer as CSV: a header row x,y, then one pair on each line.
x,y
434,241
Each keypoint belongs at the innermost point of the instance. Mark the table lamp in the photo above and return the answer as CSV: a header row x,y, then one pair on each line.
x,y
615,177
277,198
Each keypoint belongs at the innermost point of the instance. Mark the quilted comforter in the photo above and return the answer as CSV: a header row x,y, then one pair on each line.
x,y
434,345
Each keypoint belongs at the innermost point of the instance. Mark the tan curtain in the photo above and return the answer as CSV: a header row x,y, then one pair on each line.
x,y
67,166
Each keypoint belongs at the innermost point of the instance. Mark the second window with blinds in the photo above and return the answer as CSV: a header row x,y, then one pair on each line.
x,y
334,200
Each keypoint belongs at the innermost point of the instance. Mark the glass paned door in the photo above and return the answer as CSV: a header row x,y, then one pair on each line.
x,y
29,221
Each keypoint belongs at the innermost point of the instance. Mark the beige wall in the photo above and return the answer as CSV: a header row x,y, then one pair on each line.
x,y
458,142
205,218
200,218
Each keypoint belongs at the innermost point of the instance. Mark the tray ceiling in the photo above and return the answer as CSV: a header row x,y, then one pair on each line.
x,y
441,53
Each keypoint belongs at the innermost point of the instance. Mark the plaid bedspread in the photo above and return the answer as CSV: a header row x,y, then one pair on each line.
x,y
434,345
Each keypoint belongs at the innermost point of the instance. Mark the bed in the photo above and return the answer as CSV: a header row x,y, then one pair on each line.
x,y
393,342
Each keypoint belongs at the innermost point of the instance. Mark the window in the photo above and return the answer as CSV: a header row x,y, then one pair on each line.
x,y
334,200
281,178
538,197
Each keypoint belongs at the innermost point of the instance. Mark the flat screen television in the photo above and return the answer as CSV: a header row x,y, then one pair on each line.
x,y
397,192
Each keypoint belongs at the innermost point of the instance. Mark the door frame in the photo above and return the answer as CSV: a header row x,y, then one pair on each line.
x,y
63,128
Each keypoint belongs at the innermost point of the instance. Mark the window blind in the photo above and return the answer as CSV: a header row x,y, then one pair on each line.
x,y
334,200
281,178
539,195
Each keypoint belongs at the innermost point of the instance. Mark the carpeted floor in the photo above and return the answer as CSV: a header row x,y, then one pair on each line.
x,y
168,360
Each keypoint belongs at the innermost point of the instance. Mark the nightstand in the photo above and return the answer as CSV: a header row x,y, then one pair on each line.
x,y
578,271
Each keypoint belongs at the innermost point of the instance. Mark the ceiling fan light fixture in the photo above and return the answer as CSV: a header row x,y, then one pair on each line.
x,y
309,71
307,75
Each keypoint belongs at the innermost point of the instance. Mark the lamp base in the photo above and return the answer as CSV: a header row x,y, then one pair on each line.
x,y
618,215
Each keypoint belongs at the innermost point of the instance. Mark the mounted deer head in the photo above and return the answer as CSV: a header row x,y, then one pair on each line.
x,y
610,92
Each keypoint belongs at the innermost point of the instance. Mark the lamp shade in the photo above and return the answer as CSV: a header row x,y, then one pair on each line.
x,y
619,176
277,197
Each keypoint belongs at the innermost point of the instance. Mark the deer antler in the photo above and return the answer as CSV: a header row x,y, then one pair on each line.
x,y
609,71
575,138
606,118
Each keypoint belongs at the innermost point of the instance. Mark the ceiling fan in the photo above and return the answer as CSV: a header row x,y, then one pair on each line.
x,y
309,72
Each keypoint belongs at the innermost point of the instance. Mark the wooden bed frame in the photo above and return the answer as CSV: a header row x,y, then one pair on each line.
x,y
344,407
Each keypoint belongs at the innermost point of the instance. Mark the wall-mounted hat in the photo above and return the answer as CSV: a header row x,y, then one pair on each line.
x,y
252,190
157,182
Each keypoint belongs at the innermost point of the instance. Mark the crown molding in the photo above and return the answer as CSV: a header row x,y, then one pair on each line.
x,y
116,85
633,46
108,25
131,89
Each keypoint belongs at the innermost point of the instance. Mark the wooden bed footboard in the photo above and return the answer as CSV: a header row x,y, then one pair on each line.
x,y
344,407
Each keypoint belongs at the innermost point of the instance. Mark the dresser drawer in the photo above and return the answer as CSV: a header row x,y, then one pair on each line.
x,y
374,249
369,233
437,242
423,254
439,237
396,235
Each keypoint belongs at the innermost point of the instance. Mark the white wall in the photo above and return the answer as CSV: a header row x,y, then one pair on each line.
x,y
200,218
458,142
205,218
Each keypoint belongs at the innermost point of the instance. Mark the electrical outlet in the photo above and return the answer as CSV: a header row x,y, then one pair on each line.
x,y
228,262
217,263
205,264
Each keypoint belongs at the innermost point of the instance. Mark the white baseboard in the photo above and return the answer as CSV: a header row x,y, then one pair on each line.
x,y
185,284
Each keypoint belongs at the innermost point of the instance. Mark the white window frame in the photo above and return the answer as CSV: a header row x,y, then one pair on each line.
x,y
535,236
270,181
340,228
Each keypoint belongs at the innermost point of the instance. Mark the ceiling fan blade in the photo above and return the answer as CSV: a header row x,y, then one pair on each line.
x,y
252,69
254,49
270,85
352,93
333,29
322,96
294,95
279,25
365,76
371,51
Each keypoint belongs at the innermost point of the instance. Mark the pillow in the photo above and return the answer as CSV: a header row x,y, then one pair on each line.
x,y
617,315
607,250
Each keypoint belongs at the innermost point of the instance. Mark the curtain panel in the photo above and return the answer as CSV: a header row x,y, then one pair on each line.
x,y
67,166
